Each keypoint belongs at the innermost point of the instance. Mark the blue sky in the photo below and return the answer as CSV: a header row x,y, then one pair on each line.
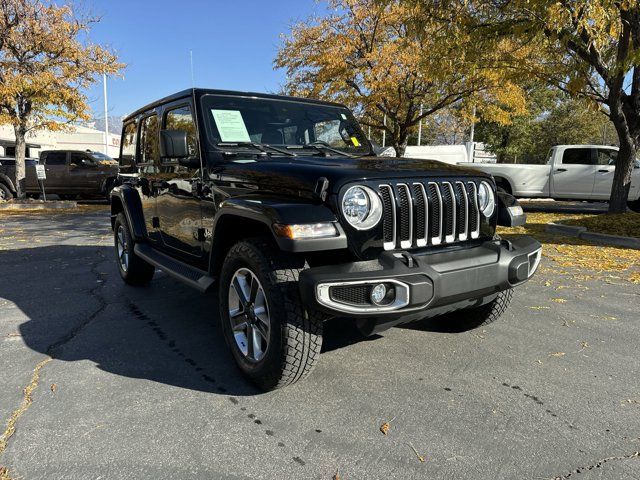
x,y
233,42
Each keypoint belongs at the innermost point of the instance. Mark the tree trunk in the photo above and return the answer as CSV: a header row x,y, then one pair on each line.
x,y
622,176
21,150
400,141
624,166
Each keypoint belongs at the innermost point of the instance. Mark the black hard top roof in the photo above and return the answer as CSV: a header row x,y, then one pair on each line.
x,y
198,92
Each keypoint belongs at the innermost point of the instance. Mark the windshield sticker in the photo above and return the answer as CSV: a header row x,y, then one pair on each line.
x,y
344,117
230,125
355,142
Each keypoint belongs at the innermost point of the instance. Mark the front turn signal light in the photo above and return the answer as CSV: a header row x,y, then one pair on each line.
x,y
305,230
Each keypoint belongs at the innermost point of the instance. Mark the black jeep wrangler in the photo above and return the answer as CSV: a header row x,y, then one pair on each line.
x,y
281,204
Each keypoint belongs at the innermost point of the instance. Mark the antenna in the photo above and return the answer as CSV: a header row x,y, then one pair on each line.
x,y
191,60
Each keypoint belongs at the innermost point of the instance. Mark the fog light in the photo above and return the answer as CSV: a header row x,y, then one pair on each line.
x,y
378,293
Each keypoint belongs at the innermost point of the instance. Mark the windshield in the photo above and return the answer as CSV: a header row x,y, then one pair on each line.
x,y
285,123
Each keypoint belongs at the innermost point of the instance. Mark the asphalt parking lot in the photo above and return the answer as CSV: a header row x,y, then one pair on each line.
x,y
141,386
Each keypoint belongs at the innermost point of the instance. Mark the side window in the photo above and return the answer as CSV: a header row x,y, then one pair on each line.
x,y
56,158
149,147
607,157
128,147
79,160
577,156
181,119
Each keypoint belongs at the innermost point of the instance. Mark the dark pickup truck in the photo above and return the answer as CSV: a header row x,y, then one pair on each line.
x,y
70,173
280,206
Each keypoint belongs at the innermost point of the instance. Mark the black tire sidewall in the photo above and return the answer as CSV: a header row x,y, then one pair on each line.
x,y
7,192
269,365
634,206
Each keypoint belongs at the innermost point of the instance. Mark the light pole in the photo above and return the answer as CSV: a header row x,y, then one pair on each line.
x,y
384,131
471,147
106,115
420,127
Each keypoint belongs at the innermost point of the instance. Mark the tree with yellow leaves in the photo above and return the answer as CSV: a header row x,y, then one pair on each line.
x,y
588,49
44,66
387,59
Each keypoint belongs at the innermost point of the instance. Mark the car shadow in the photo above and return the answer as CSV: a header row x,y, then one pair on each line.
x,y
77,308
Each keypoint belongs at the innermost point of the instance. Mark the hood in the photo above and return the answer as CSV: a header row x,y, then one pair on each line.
x,y
303,172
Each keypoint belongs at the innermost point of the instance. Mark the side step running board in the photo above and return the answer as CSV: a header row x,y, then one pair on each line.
x,y
194,277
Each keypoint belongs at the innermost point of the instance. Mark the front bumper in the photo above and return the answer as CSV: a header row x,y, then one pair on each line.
x,y
423,282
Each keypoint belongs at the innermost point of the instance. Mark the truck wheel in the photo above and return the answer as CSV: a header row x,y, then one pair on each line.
x,y
484,315
133,269
273,339
5,193
634,206
503,184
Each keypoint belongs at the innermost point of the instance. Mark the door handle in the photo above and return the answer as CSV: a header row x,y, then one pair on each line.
x,y
604,171
561,169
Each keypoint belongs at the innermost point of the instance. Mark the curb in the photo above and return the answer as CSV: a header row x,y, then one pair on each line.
x,y
584,234
54,205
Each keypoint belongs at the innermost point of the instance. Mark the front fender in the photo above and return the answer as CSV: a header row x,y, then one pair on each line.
x,y
272,211
126,199
510,213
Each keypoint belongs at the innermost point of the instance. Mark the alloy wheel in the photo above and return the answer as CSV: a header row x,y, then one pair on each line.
x,y
121,245
249,314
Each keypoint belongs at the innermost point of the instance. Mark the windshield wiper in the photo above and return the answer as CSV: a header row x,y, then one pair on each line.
x,y
263,147
323,149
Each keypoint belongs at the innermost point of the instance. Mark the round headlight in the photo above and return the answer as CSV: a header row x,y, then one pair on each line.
x,y
486,199
362,207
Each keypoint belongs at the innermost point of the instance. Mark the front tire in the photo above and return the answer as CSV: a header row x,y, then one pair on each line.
x,y
488,313
634,206
133,269
272,337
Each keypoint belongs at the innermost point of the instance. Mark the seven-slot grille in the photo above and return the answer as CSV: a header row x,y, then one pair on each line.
x,y
417,214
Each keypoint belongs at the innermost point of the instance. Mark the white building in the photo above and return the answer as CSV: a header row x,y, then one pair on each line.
x,y
76,138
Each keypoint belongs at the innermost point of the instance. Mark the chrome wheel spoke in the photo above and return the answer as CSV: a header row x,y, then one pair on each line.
x,y
121,248
255,287
241,288
256,338
261,329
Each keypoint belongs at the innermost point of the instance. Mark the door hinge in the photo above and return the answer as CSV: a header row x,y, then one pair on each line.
x,y
155,221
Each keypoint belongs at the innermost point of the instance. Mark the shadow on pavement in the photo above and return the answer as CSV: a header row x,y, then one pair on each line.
x,y
79,309
564,207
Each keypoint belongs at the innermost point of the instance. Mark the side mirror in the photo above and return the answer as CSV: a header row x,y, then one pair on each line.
x,y
173,144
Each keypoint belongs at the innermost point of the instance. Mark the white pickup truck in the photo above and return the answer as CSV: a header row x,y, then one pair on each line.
x,y
576,172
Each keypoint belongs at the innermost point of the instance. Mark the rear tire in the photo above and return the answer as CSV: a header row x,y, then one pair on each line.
x,y
288,337
5,193
133,269
488,313
634,206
